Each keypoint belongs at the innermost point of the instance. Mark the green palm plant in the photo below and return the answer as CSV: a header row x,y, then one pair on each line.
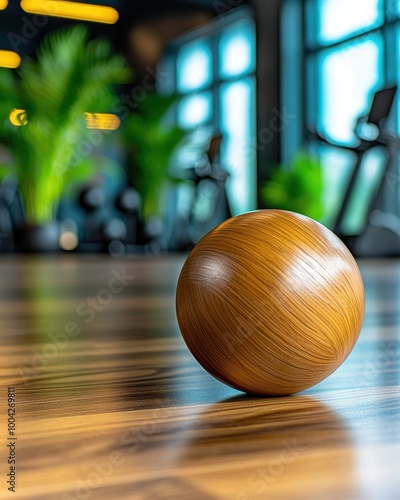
x,y
150,143
71,76
298,188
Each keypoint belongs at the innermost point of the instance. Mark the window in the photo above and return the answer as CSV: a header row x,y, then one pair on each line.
x,y
340,19
350,50
215,79
348,74
194,66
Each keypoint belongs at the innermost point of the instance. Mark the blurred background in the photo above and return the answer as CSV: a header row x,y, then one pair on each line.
x,y
136,127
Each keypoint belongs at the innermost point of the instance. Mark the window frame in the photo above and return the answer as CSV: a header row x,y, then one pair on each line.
x,y
387,31
212,32
301,85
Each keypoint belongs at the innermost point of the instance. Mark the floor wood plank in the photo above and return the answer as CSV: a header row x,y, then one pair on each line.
x,y
120,409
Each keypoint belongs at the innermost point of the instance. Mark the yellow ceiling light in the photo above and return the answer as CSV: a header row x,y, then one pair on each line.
x,y
18,117
99,121
9,59
71,10
102,121
3,4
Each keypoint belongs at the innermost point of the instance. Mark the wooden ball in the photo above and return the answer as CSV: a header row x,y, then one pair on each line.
x,y
270,302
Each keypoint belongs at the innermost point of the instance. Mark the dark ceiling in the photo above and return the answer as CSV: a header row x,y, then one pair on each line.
x,y
17,30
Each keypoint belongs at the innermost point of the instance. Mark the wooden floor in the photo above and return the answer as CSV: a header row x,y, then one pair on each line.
x,y
111,405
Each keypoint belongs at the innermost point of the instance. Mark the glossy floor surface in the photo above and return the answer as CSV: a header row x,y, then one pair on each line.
x,y
111,405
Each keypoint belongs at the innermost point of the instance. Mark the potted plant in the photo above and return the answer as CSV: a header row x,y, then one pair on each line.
x,y
297,188
43,123
150,142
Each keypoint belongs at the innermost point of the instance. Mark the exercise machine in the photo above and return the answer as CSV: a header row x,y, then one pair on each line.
x,y
380,231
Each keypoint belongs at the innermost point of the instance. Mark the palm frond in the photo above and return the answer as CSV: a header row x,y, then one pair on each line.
x,y
298,188
72,75
9,99
150,143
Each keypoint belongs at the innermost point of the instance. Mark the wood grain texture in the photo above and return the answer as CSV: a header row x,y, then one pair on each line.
x,y
124,411
270,302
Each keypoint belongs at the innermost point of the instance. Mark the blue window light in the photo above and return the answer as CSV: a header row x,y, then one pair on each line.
x,y
237,49
239,148
194,110
194,66
339,19
349,75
